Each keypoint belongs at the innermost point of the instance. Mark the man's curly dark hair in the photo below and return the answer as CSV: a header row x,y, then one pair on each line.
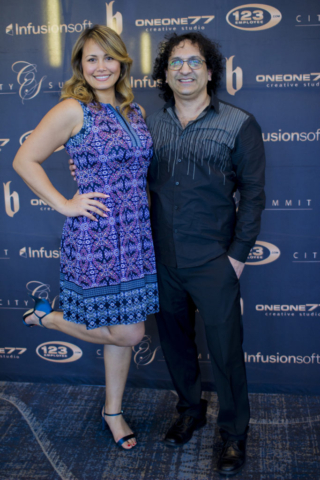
x,y
208,48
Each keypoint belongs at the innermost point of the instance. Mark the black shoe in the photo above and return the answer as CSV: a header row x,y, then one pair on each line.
x,y
232,457
182,430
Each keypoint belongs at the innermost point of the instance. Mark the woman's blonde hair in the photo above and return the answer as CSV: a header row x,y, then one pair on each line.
x,y
111,43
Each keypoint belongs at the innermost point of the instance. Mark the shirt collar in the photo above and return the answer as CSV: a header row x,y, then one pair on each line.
x,y
214,103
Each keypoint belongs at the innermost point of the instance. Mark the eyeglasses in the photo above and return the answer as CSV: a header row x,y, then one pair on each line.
x,y
194,63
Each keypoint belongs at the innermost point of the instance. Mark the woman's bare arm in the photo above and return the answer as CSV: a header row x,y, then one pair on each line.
x,y
54,130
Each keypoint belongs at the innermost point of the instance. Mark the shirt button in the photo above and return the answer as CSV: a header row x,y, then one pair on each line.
x,y
177,183
179,160
176,207
175,230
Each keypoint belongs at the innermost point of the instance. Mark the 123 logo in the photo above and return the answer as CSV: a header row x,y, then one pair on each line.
x,y
59,352
262,253
253,17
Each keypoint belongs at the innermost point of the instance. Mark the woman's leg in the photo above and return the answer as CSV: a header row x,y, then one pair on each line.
x,y
118,341
117,362
120,335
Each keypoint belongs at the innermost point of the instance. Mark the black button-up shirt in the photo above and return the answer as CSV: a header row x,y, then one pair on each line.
x,y
193,176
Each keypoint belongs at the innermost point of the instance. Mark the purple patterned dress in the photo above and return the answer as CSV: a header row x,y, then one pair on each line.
x,y
107,272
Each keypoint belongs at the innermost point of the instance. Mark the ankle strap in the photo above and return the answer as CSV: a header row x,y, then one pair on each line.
x,y
112,414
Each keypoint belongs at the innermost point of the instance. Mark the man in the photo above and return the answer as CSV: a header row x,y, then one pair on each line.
x,y
204,150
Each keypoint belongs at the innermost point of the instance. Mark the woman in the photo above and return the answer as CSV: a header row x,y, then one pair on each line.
x,y
107,273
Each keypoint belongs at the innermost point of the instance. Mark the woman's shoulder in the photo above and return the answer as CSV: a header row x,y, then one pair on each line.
x,y
70,107
67,112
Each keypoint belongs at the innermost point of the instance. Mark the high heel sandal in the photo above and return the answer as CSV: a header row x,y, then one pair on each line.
x,y
105,425
40,304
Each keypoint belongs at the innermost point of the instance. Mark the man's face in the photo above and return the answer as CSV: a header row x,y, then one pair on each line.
x,y
187,83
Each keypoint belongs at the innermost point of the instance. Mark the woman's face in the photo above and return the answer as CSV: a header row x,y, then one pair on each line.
x,y
100,70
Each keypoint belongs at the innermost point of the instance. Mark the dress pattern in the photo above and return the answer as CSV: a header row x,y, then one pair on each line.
x,y
107,270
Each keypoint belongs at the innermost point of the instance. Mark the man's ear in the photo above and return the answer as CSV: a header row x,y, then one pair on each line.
x,y
209,75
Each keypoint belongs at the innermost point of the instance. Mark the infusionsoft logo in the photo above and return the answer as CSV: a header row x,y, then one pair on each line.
x,y
59,352
144,82
28,252
253,17
30,29
314,358
291,136
262,253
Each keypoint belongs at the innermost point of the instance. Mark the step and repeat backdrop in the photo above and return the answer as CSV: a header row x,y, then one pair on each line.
x,y
272,70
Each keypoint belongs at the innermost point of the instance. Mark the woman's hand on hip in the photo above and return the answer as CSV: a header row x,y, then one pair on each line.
x,y
85,205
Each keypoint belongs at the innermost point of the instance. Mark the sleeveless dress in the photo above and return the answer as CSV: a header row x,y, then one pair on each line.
x,y
107,270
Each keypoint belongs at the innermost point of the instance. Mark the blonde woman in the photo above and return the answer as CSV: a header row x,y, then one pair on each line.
x,y
107,275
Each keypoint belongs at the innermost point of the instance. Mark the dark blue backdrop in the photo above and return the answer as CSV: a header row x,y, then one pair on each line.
x,y
272,70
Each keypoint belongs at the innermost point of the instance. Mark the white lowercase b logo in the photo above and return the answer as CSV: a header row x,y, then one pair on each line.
x,y
113,21
11,200
230,73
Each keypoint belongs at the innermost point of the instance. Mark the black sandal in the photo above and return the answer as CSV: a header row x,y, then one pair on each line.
x,y
123,439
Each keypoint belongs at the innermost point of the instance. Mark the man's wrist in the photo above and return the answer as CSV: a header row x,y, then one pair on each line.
x,y
239,251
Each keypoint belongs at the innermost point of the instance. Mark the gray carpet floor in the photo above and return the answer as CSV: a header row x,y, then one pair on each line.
x,y
52,432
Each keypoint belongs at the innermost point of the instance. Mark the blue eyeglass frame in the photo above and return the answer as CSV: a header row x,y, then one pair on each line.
x,y
187,61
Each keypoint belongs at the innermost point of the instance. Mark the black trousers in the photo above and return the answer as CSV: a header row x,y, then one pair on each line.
x,y
213,288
